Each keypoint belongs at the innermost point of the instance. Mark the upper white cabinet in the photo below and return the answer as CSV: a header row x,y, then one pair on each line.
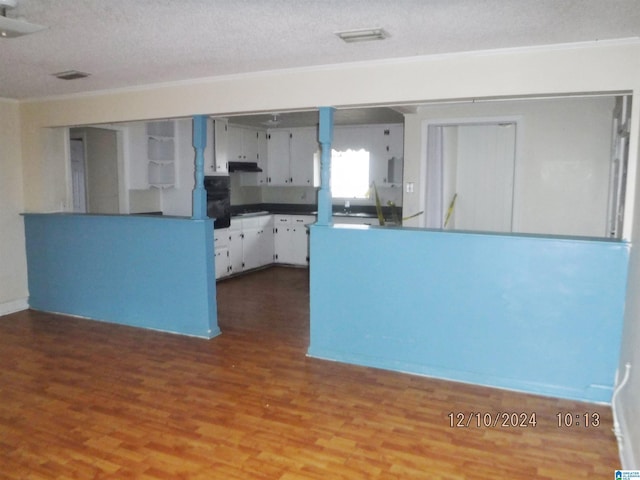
x,y
304,146
279,158
243,144
215,153
291,157
258,179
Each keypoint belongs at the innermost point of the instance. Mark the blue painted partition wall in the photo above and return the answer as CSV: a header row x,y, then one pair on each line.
x,y
536,314
144,271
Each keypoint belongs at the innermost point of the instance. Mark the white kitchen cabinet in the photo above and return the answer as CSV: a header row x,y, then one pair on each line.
x,y
258,179
291,238
219,159
222,262
235,246
243,144
221,250
303,148
257,237
279,157
250,244
291,157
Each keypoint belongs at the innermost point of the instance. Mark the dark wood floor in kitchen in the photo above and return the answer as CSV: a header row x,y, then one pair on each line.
x,y
82,399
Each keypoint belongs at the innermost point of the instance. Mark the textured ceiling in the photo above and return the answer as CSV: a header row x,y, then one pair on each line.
x,y
124,43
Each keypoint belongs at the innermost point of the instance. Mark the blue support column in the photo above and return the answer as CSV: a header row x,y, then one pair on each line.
x,y
199,143
325,137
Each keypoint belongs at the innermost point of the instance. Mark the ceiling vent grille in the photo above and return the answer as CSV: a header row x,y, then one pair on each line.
x,y
363,35
70,75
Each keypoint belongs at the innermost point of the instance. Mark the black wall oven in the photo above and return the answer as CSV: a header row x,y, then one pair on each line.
x,y
218,200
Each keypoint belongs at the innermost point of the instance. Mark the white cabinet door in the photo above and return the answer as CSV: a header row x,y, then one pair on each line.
x,y
262,249
235,246
267,244
243,144
221,246
304,145
279,155
282,238
221,140
234,143
250,248
222,262
258,179
250,145
291,239
300,238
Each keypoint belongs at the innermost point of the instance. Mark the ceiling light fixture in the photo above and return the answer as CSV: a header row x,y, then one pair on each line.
x,y
274,121
13,27
363,35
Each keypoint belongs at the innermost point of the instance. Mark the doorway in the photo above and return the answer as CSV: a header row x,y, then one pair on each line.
x,y
470,175
95,176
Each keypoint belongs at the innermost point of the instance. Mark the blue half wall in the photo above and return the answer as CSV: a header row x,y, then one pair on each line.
x,y
536,314
144,271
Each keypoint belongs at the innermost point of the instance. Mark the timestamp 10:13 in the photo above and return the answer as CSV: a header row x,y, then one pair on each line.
x,y
586,419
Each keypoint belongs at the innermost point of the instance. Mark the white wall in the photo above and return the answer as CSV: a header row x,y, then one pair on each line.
x,y
13,265
562,173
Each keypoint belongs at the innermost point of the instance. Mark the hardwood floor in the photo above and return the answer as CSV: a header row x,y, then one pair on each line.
x,y
84,399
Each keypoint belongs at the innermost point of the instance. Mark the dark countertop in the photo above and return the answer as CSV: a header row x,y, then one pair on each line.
x,y
359,211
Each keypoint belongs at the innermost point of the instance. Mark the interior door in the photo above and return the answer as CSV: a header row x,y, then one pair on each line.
x,y
470,176
484,177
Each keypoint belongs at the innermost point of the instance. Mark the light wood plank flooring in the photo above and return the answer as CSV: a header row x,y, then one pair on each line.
x,y
83,399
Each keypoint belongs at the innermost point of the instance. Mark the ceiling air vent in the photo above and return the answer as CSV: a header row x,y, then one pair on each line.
x,y
70,75
363,35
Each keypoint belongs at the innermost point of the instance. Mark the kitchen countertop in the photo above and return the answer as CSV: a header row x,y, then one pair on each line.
x,y
360,211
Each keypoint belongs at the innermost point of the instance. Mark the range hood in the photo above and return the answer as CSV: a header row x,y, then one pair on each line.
x,y
244,167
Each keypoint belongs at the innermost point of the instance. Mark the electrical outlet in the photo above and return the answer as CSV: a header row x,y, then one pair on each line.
x,y
409,187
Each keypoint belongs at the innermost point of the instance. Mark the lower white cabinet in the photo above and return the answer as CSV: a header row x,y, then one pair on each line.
x,y
257,241
221,250
253,242
291,238
245,245
235,247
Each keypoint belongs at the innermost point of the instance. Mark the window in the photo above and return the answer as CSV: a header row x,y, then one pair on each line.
x,y
350,173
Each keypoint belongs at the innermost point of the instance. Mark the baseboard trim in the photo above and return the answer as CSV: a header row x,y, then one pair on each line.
x,y
14,306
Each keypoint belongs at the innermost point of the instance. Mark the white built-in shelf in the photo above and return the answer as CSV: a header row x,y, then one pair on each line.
x,y
161,153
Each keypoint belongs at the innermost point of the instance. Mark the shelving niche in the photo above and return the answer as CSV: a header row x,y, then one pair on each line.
x,y
161,152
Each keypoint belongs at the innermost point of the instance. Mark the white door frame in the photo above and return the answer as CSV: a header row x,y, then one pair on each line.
x,y
466,121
